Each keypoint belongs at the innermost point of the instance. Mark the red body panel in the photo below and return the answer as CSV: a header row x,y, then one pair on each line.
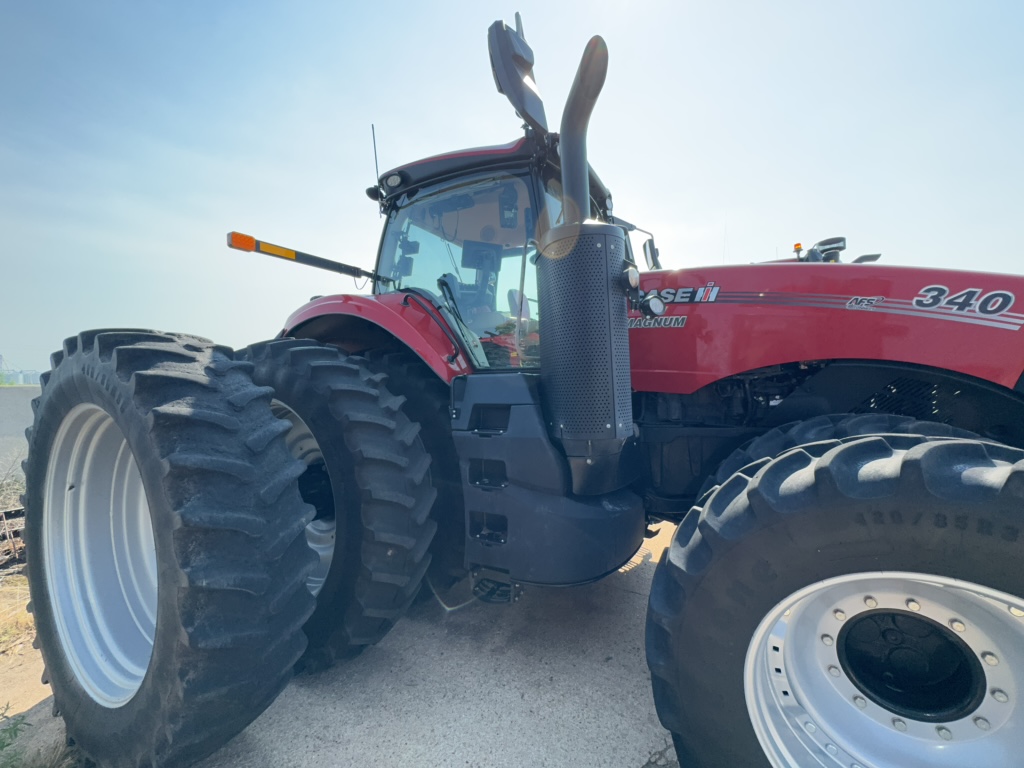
x,y
409,323
767,314
727,320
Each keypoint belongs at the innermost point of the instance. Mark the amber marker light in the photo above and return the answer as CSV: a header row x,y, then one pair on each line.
x,y
241,242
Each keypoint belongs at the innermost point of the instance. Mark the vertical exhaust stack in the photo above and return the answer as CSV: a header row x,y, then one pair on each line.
x,y
584,337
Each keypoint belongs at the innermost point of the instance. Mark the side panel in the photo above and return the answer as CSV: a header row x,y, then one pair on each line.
x,y
726,320
408,322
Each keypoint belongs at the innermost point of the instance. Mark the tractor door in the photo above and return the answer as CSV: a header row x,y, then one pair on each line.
x,y
471,245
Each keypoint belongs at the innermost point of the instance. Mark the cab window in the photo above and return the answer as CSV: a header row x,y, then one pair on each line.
x,y
469,245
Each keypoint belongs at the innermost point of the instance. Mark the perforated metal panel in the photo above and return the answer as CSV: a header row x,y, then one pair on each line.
x,y
584,339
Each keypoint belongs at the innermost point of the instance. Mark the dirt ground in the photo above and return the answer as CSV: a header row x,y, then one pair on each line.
x,y
21,671
20,664
20,675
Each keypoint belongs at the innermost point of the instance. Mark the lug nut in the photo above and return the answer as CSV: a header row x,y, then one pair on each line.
x,y
831,749
982,723
834,671
860,701
898,724
827,639
811,727
944,733
990,658
1000,695
870,602
957,625
839,614
913,605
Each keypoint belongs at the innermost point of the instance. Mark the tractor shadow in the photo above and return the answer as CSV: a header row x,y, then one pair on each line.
x,y
558,678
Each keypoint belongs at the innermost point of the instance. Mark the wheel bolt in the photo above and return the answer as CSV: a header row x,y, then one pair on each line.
x,y
1015,611
990,658
898,724
982,723
944,733
870,602
913,605
827,639
839,614
811,727
831,749
860,701
957,625
834,671
1000,695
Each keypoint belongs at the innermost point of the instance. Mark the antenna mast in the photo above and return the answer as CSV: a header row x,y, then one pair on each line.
x,y
376,167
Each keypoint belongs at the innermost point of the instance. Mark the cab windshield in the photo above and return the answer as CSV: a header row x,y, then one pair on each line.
x,y
472,246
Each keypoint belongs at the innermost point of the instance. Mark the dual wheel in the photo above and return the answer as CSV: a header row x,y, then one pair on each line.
x,y
851,602
183,506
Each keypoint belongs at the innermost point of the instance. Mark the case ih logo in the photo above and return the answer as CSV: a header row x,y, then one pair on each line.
x,y
864,302
688,295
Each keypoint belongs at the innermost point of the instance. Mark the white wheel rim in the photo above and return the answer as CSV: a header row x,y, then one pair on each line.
x,y
320,533
809,713
100,556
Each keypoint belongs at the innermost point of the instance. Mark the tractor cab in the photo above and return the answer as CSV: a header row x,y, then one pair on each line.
x,y
466,235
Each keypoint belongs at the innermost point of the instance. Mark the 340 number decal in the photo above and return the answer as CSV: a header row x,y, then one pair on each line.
x,y
991,303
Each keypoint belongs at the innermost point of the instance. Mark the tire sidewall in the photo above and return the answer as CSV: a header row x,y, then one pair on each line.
x,y
297,393
748,578
83,379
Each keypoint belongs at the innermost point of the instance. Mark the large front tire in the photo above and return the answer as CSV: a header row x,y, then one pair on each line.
x,y
850,602
164,555
369,478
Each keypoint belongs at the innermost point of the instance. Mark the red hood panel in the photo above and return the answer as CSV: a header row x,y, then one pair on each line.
x,y
726,320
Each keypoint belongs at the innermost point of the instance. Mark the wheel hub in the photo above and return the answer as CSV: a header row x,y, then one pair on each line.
x,y
911,665
889,668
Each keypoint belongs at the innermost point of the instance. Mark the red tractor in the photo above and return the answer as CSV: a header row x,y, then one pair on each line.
x,y
840,444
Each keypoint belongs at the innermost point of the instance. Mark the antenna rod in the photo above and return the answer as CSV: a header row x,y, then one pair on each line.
x,y
376,167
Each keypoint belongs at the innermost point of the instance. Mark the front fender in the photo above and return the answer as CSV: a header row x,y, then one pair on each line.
x,y
358,323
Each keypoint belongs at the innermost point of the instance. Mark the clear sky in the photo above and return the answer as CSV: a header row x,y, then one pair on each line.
x,y
134,135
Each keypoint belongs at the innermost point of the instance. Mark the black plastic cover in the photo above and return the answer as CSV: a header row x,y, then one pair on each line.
x,y
512,65
522,517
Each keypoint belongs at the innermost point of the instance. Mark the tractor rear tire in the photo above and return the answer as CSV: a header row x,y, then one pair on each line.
x,y
849,602
428,402
165,561
369,478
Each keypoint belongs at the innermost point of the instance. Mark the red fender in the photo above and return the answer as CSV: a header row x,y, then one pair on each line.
x,y
404,319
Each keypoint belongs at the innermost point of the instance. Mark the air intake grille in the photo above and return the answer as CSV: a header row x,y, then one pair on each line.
x,y
924,400
584,337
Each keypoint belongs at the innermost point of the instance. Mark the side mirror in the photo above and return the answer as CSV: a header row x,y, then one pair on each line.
x,y
651,254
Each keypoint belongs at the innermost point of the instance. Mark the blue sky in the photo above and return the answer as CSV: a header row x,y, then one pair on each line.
x,y
134,135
